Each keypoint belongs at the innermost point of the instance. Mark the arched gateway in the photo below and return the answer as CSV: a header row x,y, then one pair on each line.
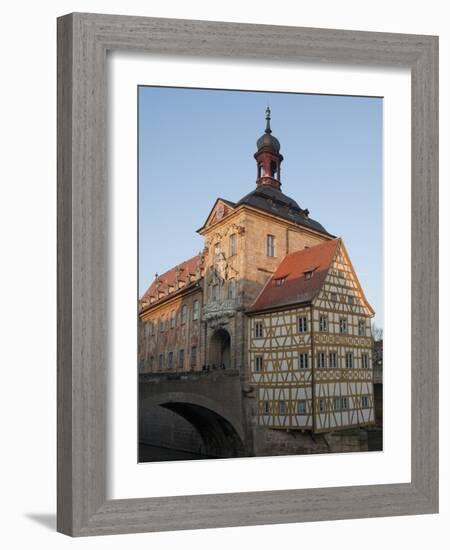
x,y
219,349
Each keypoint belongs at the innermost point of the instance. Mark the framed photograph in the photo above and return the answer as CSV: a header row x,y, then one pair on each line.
x,y
247,274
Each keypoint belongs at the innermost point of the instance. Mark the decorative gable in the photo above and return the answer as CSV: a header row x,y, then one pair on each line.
x,y
221,209
341,290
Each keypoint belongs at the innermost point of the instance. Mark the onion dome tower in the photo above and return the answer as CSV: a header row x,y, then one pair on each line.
x,y
268,158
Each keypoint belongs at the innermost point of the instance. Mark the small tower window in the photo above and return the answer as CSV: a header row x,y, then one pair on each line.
x,y
273,169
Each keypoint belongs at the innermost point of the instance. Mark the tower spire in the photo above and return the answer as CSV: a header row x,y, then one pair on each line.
x,y
268,128
268,157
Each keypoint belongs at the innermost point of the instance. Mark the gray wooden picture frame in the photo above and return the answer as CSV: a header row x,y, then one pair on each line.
x,y
83,42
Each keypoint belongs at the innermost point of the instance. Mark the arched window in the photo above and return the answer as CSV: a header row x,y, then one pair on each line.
x,y
273,169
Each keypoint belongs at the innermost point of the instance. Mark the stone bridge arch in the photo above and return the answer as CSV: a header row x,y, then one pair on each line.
x,y
216,418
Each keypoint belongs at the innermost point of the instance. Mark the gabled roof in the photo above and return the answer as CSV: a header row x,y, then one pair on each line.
x,y
294,287
169,278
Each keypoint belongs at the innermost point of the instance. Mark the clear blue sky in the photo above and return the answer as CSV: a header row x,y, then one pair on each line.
x,y
196,145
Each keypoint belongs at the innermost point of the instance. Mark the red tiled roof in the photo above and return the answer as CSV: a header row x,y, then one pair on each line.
x,y
170,277
296,289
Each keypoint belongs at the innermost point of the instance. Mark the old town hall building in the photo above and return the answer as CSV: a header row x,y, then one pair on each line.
x,y
274,296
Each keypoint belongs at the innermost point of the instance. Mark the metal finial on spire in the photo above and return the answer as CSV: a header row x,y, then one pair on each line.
x,y
268,129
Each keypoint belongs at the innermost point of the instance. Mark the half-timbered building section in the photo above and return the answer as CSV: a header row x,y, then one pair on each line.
x,y
310,344
280,358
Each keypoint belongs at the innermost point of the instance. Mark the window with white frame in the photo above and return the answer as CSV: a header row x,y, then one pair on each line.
x,y
303,360
333,360
361,327
282,407
280,281
301,407
365,360
323,323
343,327
258,330
233,245
321,360
302,324
340,403
334,296
349,360
259,364
270,246
365,401
195,310
173,319
351,300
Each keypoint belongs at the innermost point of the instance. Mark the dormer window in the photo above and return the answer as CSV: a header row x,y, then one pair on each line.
x,y
309,275
280,281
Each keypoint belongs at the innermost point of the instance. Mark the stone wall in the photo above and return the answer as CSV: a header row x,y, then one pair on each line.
x,y
270,442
